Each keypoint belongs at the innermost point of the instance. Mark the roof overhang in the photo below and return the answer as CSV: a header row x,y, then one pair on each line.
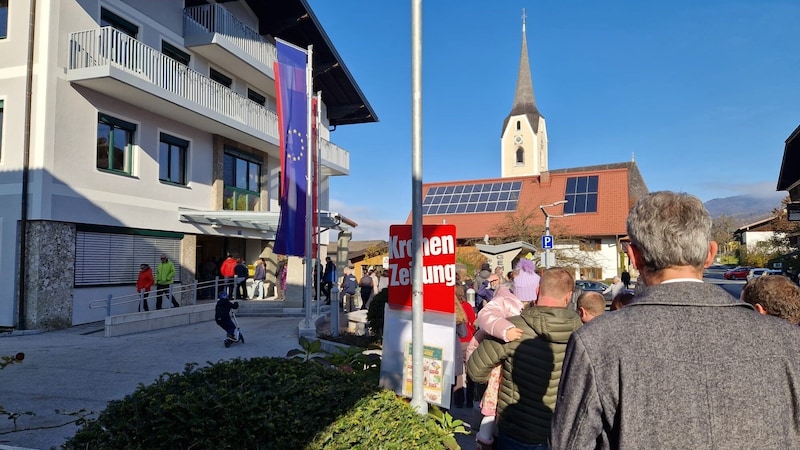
x,y
503,248
264,222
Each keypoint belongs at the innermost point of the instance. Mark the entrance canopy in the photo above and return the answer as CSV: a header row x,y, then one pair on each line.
x,y
234,222
502,255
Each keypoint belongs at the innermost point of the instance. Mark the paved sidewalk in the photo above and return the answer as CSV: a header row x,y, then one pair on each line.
x,y
78,368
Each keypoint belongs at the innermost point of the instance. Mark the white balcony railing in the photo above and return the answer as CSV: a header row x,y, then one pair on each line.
x,y
333,156
110,47
216,19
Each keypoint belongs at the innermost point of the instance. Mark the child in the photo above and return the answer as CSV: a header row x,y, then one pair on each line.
x,y
492,320
222,314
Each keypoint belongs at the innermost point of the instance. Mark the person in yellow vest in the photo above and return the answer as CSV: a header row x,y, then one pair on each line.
x,y
165,274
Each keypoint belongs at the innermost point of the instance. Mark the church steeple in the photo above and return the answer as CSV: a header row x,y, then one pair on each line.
x,y
524,100
523,141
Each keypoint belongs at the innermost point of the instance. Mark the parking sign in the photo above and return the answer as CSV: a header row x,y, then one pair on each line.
x,y
547,241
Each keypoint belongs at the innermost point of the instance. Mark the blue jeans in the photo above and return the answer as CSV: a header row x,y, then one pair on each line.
x,y
504,442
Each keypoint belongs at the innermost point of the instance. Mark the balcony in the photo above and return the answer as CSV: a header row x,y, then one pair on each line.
x,y
216,34
111,62
117,65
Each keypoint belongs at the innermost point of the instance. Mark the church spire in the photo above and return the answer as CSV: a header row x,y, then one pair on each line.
x,y
524,101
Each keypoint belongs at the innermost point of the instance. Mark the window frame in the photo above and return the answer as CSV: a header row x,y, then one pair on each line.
x,y
220,77
108,18
182,147
130,130
581,194
175,53
112,258
256,97
4,19
236,193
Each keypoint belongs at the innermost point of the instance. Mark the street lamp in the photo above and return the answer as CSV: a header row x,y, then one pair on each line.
x,y
547,227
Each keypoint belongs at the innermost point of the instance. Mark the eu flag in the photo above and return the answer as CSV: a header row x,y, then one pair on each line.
x,y
290,85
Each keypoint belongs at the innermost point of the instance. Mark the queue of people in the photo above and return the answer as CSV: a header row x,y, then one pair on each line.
x,y
666,367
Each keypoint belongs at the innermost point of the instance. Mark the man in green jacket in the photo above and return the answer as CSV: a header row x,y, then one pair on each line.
x,y
165,274
531,364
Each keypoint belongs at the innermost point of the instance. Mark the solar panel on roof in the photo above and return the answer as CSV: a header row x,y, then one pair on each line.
x,y
467,198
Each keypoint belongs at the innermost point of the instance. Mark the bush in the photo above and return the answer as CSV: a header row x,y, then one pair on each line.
x,y
383,421
265,403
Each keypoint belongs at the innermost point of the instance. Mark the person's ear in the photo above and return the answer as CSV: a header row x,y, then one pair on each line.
x,y
633,255
712,252
760,309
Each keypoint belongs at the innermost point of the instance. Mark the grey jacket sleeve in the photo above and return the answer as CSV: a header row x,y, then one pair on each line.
x,y
489,354
578,417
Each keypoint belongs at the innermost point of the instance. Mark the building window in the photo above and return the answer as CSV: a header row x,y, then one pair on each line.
x,y
172,159
174,53
241,179
256,97
112,258
109,19
3,19
114,144
590,245
520,156
518,125
581,195
592,273
220,78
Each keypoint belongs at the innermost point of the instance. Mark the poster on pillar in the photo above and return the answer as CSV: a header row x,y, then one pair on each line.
x,y
438,329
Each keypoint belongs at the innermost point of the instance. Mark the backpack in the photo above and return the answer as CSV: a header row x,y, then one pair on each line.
x,y
349,284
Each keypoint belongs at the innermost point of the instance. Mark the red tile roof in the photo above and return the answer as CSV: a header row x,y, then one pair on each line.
x,y
619,186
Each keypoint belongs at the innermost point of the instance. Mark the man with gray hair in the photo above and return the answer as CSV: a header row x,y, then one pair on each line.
x,y
682,358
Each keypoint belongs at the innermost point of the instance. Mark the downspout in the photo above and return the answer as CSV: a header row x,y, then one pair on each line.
x,y
26,146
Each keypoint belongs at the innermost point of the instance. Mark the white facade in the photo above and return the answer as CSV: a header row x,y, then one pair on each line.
x,y
87,80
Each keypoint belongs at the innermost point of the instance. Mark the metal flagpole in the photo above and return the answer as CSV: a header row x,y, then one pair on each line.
x,y
309,175
317,176
417,317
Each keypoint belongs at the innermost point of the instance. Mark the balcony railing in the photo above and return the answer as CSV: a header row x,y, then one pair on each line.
x,y
216,19
334,156
110,47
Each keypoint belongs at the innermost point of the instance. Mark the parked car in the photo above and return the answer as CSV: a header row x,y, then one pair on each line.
x,y
596,286
738,273
758,272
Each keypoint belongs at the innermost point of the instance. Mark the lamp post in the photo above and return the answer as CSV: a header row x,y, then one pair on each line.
x,y
547,227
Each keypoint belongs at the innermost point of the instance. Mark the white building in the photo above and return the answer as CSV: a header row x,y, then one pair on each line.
x,y
131,128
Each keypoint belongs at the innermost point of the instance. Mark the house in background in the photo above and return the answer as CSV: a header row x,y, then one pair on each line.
x,y
150,128
752,234
597,198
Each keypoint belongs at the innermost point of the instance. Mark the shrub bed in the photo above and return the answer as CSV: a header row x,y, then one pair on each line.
x,y
263,403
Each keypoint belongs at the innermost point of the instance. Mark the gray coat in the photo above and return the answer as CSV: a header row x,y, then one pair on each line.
x,y
685,366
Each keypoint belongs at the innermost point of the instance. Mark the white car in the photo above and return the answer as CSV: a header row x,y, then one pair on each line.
x,y
755,273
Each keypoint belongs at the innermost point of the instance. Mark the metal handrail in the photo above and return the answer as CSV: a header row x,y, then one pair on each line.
x,y
110,301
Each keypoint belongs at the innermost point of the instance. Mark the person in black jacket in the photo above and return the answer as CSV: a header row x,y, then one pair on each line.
x,y
222,314
242,273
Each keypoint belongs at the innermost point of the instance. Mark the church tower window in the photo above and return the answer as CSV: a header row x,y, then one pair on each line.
x,y
520,156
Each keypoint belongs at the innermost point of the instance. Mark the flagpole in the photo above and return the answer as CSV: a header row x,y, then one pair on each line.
x,y
317,176
309,175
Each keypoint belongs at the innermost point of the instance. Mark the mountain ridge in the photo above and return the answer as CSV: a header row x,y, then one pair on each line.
x,y
744,209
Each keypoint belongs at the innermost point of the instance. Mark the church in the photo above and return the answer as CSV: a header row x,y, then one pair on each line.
x,y
588,206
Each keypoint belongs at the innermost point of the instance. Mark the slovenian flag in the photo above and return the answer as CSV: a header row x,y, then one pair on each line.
x,y
292,96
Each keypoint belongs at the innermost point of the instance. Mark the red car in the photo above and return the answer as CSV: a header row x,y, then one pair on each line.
x,y
739,273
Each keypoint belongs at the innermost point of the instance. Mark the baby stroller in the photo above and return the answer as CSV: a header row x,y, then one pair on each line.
x,y
226,319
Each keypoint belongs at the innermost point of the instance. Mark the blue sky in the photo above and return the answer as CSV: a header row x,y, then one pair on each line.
x,y
704,94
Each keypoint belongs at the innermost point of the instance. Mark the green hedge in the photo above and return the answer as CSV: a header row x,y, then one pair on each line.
x,y
262,403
